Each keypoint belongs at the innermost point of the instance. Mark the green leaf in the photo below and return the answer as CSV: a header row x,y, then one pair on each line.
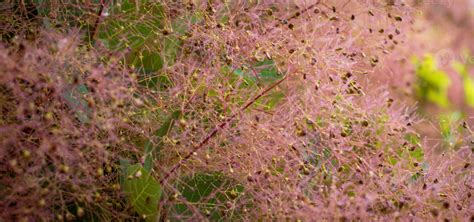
x,y
76,102
42,7
168,124
139,26
413,152
432,84
274,99
143,191
172,43
447,123
268,72
152,152
413,139
124,164
468,82
209,192
265,72
416,152
154,81
469,91
261,73
147,62
415,177
392,160
269,101
135,28
148,164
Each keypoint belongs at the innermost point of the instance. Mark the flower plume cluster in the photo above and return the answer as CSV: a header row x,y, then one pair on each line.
x,y
218,110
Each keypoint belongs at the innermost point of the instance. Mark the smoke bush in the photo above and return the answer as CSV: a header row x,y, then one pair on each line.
x,y
63,111
240,110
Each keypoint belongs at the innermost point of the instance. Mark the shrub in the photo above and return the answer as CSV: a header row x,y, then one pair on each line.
x,y
221,111
63,115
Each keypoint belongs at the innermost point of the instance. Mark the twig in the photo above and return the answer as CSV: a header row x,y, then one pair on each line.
x,y
97,21
219,127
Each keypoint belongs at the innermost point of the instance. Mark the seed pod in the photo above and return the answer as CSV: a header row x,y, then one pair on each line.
x,y
446,205
138,174
250,178
64,168
41,202
306,171
233,194
300,132
389,102
269,12
100,172
26,154
69,216
365,123
48,116
80,212
116,186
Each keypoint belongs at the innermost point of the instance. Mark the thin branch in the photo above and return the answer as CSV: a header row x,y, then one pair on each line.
x,y
97,21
